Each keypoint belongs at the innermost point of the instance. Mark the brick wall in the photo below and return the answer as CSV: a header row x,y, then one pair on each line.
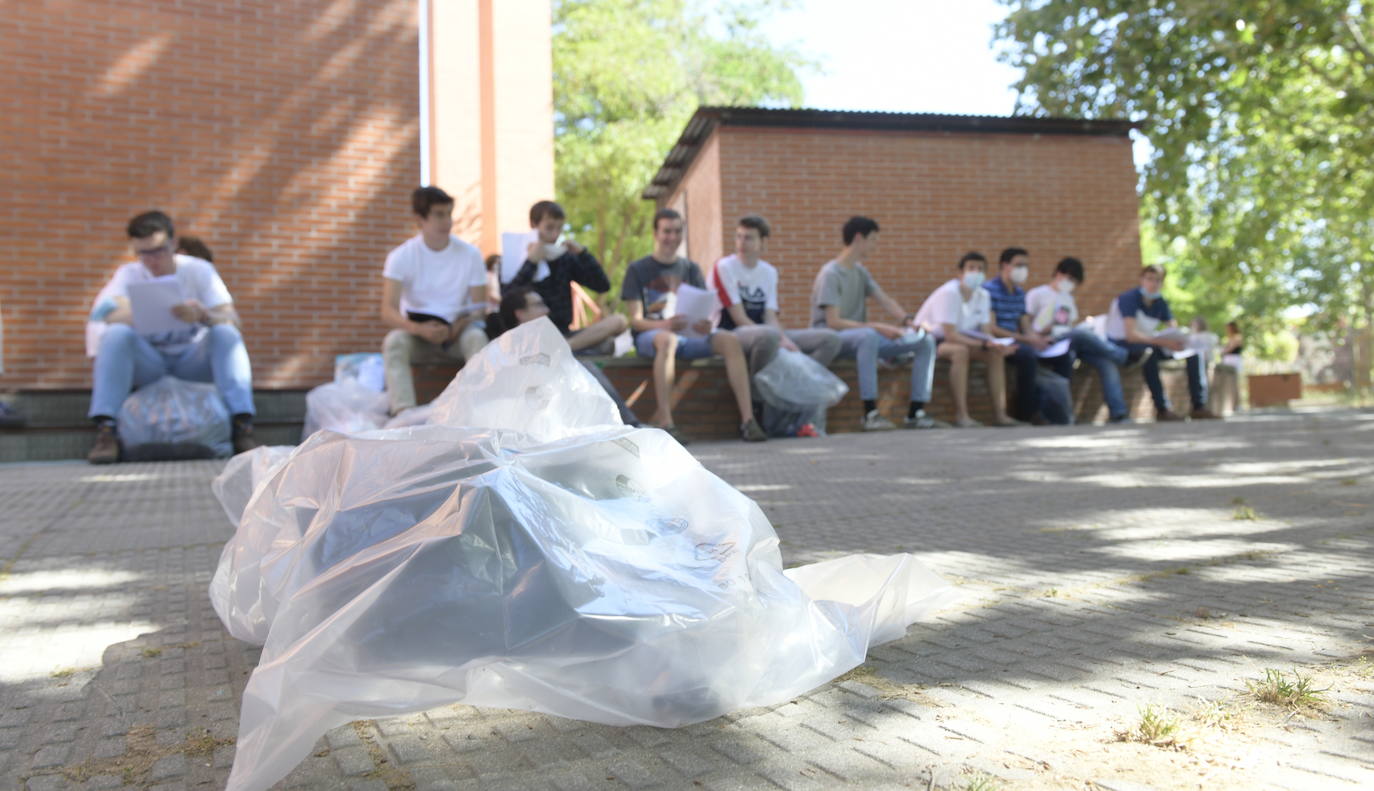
x,y
284,134
935,195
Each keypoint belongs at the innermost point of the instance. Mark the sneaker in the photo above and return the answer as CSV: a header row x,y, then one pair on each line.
x,y
106,447
244,440
1203,413
11,417
874,421
1120,420
1133,363
1167,416
922,420
751,431
808,430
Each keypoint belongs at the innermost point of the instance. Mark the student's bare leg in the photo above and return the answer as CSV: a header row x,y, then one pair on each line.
x,y
597,333
957,354
727,346
665,372
996,366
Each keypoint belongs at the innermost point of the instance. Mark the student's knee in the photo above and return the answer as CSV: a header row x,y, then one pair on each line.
x,y
724,343
225,333
955,352
665,342
116,336
397,341
616,323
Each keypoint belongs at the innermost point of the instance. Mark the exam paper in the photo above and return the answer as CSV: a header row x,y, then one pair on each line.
x,y
695,304
1056,349
152,302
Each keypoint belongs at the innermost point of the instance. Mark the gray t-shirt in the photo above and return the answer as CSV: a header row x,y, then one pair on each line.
x,y
650,282
846,287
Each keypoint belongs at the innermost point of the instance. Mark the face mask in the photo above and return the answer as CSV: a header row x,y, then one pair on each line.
x,y
554,251
973,279
1065,286
1149,294
1019,274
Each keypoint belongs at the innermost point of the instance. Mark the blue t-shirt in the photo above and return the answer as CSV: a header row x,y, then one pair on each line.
x,y
1008,307
1132,305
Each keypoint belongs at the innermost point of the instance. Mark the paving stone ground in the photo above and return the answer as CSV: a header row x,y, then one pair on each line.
x,y
1108,572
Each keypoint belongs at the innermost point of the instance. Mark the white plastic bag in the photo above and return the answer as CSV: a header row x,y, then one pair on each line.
x,y
174,411
794,382
545,558
348,406
367,368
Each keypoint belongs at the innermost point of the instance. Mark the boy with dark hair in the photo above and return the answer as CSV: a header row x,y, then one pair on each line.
x,y
522,304
747,287
552,267
206,347
434,292
1134,324
1010,320
839,302
649,282
959,314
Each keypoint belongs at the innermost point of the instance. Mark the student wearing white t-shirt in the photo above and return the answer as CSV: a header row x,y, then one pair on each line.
x,y
203,344
959,315
434,296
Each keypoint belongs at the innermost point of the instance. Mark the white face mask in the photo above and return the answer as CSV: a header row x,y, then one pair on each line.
x,y
973,279
1019,274
1065,286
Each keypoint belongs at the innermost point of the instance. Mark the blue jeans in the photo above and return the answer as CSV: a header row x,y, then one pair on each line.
x,y
1197,383
126,360
1105,356
865,345
688,348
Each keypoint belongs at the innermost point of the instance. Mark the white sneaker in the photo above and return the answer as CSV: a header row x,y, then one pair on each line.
x,y
874,421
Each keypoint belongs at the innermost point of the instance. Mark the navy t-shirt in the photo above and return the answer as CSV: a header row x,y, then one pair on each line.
x,y
1132,303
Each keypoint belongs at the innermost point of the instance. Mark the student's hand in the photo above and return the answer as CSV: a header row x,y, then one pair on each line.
x,y
574,247
677,323
535,251
888,331
1005,350
1172,344
191,312
702,327
436,332
1036,342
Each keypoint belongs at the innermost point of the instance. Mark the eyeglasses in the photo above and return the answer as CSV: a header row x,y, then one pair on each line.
x,y
153,252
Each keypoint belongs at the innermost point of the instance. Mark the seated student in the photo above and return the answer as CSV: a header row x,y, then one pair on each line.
x,y
522,304
651,280
748,290
208,347
839,301
434,294
1133,323
955,309
1011,320
551,268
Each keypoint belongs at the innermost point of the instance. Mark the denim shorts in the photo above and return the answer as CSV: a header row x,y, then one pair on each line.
x,y
687,348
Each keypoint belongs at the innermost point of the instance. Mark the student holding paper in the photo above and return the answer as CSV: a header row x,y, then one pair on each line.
x,y
166,313
665,336
434,296
839,301
550,269
1140,322
959,315
1010,320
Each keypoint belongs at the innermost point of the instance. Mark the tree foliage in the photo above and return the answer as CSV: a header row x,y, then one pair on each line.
x,y
1258,189
627,76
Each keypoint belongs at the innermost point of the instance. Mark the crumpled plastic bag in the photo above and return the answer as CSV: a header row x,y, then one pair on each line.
x,y
794,382
525,550
367,368
348,406
176,415
244,473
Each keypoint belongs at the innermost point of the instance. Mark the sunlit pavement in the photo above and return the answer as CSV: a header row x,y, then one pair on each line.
x,y
1106,570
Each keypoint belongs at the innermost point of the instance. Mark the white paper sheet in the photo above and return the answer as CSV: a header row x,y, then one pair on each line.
x,y
696,304
1056,349
152,302
983,336
514,247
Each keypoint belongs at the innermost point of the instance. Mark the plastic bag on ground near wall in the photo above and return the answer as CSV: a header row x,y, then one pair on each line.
x,y
347,406
367,368
794,382
528,552
177,416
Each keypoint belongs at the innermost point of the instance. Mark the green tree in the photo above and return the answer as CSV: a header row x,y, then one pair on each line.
x,y
1258,188
627,74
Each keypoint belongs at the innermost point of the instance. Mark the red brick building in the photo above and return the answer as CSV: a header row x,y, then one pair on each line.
x,y
938,186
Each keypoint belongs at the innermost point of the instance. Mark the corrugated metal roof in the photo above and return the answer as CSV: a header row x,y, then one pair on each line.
x,y
706,119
